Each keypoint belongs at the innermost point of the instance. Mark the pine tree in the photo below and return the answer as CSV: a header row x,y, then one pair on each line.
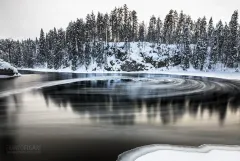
x,y
196,31
106,31
80,39
41,58
179,29
141,32
233,26
129,26
100,54
91,27
119,24
203,28
212,41
152,29
125,23
60,49
87,54
226,45
210,31
114,25
134,25
220,40
71,43
19,60
214,50
203,54
168,28
176,18
50,50
159,30
100,26
186,50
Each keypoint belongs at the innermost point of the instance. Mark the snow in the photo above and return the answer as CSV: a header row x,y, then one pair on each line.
x,y
172,71
177,153
222,75
6,66
138,52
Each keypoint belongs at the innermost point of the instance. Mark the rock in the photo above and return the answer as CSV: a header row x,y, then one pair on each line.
x,y
130,66
7,69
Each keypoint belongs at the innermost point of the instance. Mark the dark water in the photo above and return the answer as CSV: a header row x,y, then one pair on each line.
x,y
90,117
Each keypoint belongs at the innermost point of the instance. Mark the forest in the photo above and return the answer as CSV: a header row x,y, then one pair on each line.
x,y
202,44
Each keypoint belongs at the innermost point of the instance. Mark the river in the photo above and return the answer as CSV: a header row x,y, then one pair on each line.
x,y
91,117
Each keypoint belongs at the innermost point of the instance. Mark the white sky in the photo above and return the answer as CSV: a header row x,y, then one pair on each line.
x,y
24,18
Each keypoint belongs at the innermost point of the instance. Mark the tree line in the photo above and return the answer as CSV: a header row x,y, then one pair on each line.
x,y
203,44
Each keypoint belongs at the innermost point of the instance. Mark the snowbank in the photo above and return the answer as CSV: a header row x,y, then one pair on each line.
x,y
222,75
177,153
7,70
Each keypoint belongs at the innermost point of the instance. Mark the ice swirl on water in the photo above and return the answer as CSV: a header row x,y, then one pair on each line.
x,y
142,87
165,87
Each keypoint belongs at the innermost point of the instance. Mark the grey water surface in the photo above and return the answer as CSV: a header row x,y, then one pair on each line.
x,y
89,117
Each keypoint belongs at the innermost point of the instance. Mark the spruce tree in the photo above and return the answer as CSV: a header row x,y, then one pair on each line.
x,y
134,25
152,29
214,50
168,28
179,29
114,25
41,58
106,31
19,55
186,50
125,23
141,32
210,31
87,53
226,45
159,30
233,26
100,26
196,31
220,40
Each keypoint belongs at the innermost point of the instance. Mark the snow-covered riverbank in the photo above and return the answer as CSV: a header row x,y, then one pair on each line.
x,y
222,75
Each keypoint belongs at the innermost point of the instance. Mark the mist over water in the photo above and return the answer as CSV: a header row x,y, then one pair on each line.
x,y
89,118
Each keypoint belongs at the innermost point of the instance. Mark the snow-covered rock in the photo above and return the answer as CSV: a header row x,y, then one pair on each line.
x,y
7,69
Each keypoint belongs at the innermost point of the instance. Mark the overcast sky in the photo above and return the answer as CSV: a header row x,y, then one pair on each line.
x,y
23,18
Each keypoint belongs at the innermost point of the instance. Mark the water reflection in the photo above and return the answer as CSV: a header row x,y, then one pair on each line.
x,y
76,120
102,101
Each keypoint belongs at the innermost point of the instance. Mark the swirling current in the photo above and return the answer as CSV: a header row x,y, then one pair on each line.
x,y
92,116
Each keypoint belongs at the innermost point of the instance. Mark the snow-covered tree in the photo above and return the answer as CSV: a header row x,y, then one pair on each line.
x,y
152,29
159,26
141,32
168,28
186,50
179,29
233,26
41,57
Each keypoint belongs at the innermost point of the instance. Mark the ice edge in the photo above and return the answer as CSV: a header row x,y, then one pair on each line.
x,y
134,154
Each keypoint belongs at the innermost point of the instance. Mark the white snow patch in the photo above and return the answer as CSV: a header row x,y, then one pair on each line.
x,y
177,153
171,71
6,66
